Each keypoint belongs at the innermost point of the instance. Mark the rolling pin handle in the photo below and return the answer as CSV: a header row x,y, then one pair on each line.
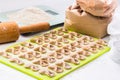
x,y
42,26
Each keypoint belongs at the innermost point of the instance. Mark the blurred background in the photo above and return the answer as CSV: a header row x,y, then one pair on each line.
x,y
95,69
60,5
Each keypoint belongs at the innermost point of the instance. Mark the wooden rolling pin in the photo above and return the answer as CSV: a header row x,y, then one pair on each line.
x,y
10,31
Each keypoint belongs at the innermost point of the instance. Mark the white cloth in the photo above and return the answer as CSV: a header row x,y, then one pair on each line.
x,y
114,27
114,31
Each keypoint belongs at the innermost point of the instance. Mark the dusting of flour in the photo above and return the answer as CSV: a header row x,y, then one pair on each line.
x,y
29,15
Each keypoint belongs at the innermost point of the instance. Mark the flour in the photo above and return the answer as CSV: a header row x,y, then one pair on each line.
x,y
29,16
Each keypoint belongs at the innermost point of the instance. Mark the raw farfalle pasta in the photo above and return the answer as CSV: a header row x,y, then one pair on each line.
x,y
54,52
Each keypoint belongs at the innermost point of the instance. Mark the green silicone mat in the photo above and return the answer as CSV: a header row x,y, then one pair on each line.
x,y
59,75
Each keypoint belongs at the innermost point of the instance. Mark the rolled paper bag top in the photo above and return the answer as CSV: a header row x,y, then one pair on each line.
x,y
103,8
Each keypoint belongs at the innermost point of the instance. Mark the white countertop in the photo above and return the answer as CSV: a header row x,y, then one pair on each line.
x,y
103,68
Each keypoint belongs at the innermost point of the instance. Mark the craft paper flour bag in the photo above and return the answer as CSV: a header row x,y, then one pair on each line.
x,y
80,21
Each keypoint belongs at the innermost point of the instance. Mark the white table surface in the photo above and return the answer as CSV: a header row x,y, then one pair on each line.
x,y
103,68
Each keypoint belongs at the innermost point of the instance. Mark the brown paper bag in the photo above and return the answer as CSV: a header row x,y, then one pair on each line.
x,y
83,22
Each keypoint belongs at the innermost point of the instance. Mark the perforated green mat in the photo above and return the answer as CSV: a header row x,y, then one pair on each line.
x,y
57,76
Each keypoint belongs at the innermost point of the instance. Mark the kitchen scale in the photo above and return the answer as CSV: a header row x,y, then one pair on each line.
x,y
57,18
